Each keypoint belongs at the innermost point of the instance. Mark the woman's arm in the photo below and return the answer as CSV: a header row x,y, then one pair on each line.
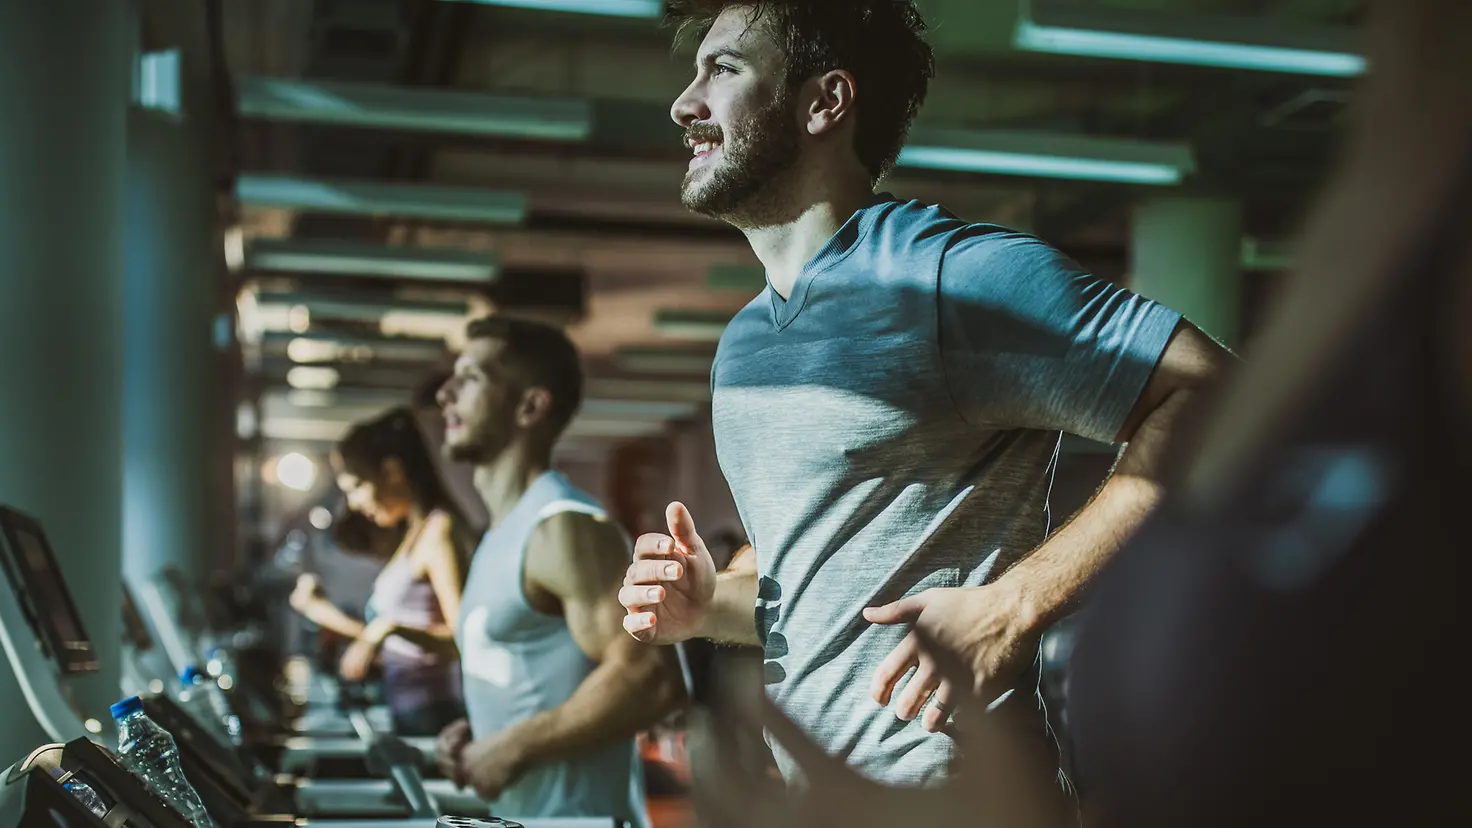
x,y
436,559
308,600
441,564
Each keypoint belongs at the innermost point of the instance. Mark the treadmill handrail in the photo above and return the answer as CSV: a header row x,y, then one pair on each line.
x,y
404,774
165,626
411,784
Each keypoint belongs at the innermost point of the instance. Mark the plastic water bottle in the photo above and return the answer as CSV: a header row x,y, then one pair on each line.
x,y
88,797
206,703
220,677
150,753
193,698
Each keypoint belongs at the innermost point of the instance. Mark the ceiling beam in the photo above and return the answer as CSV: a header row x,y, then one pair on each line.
x,y
385,106
320,256
382,199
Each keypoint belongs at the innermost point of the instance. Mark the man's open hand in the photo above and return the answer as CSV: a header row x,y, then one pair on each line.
x,y
671,584
987,630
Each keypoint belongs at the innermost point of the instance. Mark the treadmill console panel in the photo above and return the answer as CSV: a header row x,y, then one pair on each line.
x,y
41,593
32,794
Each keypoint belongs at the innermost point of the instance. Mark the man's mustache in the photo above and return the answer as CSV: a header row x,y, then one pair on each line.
x,y
703,133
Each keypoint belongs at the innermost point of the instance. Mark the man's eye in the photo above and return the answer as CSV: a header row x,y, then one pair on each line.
x,y
722,69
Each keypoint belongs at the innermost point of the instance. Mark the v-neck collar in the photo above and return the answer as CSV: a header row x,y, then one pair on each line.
x,y
839,247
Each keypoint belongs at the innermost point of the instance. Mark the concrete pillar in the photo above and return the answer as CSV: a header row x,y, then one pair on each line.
x,y
1187,253
174,396
65,81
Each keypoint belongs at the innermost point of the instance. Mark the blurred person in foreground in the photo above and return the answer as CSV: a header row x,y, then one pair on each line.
x,y
1279,646
385,470
888,411
555,691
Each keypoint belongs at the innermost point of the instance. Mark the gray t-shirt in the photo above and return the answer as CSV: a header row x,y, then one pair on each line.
x,y
893,426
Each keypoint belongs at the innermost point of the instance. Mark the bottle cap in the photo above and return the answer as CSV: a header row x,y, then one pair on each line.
x,y
132,704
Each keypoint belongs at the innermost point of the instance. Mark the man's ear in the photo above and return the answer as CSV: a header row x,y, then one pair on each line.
x,y
833,98
535,407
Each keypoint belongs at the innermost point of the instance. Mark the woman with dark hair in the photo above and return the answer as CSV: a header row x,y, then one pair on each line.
x,y
387,474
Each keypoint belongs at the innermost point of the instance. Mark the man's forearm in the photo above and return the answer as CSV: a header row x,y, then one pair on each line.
x,y
616,701
1052,577
732,618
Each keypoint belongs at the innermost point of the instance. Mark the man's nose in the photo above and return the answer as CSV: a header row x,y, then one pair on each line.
x,y
689,108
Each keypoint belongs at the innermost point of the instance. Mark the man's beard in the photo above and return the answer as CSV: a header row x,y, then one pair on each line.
x,y
472,453
742,189
480,449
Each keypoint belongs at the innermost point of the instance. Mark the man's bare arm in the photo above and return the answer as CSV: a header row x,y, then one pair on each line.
x,y
581,560
993,630
1047,581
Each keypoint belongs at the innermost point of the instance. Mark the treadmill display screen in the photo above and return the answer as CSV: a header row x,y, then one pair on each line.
x,y
42,592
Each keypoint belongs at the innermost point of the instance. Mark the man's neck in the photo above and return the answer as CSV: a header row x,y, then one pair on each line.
x,y
503,481
786,247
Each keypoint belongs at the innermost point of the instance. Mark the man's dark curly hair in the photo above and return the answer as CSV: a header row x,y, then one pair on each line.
x,y
881,42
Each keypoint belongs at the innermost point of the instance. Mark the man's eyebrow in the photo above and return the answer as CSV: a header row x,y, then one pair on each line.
x,y
724,51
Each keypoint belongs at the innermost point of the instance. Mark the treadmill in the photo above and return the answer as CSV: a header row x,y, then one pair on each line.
x,y
325,739
336,749
45,644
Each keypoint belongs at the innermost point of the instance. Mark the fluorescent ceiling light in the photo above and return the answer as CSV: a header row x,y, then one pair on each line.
x,y
342,348
1041,166
1238,43
360,308
424,326
305,350
355,259
278,401
304,429
704,326
374,198
323,379
414,319
413,108
611,8
1049,155
341,405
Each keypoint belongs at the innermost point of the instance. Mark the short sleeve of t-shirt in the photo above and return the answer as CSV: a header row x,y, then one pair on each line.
x,y
1030,340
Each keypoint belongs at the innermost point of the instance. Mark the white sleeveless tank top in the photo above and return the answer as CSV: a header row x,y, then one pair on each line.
x,y
517,662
